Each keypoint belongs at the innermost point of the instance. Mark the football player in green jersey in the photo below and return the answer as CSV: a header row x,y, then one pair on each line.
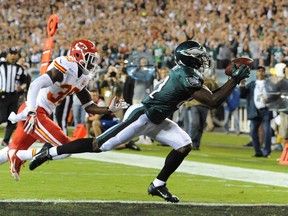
x,y
184,82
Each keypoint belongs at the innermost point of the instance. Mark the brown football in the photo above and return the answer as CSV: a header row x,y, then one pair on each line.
x,y
239,61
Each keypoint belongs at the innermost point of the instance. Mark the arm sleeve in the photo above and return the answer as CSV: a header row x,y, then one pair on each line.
x,y
41,82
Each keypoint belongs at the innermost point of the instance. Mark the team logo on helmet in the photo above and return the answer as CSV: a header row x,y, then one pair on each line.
x,y
80,46
194,52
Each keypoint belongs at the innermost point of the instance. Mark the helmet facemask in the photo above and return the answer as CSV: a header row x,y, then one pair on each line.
x,y
206,61
90,63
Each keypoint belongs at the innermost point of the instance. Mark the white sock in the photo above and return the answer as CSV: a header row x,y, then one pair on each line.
x,y
158,183
53,151
3,155
27,154
58,157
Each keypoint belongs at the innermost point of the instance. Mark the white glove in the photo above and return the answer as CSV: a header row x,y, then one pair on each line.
x,y
30,122
22,116
12,117
117,105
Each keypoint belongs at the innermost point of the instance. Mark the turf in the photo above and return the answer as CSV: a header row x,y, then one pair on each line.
x,y
80,179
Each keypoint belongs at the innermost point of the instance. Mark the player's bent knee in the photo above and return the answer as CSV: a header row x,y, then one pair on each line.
x,y
185,149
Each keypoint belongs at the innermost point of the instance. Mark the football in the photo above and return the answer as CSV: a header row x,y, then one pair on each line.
x,y
238,62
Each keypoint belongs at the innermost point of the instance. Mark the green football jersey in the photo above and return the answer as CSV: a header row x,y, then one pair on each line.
x,y
174,90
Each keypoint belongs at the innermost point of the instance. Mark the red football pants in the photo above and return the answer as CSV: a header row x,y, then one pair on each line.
x,y
45,130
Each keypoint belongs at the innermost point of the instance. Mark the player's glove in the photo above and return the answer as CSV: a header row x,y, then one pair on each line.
x,y
117,104
240,73
30,122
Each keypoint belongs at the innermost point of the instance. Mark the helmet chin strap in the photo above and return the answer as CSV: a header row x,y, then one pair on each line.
x,y
83,70
91,72
86,72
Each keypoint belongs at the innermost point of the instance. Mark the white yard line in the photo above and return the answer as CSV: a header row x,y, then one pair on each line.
x,y
196,168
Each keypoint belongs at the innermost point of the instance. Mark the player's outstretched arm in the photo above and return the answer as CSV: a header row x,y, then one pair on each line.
x,y
220,95
90,107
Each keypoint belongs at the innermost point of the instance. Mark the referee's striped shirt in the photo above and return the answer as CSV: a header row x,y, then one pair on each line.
x,y
10,75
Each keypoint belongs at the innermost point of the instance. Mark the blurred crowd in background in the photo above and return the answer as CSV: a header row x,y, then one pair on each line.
x,y
228,28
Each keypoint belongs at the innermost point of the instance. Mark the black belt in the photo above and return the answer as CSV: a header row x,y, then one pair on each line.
x,y
264,108
8,93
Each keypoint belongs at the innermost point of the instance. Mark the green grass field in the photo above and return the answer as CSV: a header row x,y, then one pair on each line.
x,y
77,180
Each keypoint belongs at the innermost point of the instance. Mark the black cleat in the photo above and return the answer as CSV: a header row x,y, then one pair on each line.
x,y
162,192
249,144
41,157
133,146
4,144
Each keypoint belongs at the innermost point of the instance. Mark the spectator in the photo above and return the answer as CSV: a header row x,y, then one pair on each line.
x,y
97,124
234,43
278,98
159,51
161,75
283,132
231,108
211,112
224,54
143,86
258,112
94,121
78,111
265,55
113,86
128,87
277,52
245,51
196,115
254,47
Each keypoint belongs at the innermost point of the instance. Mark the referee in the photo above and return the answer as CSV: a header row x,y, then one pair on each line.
x,y
13,80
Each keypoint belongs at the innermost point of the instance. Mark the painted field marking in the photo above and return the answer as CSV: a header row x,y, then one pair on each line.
x,y
195,168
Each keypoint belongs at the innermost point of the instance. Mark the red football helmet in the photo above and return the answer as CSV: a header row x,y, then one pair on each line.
x,y
85,53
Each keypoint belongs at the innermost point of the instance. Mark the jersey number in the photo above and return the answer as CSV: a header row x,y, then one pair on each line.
x,y
60,94
159,87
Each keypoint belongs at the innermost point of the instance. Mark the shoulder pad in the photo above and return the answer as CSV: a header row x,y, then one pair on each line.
x,y
64,64
194,77
194,72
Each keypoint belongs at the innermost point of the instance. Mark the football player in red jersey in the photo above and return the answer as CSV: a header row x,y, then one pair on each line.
x,y
66,75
